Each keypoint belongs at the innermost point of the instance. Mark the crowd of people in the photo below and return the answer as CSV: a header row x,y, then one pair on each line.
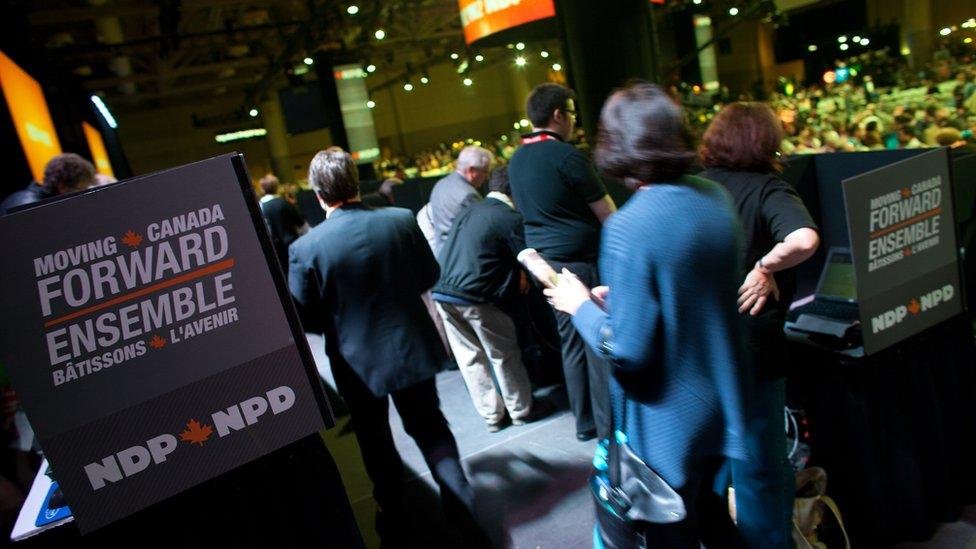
x,y
440,159
672,346
874,102
669,311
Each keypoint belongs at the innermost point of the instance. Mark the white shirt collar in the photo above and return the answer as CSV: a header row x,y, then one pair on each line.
x,y
267,198
501,197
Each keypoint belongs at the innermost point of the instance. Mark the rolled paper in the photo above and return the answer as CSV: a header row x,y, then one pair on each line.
x,y
539,267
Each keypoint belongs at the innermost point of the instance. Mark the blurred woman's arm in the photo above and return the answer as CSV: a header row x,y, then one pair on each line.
x,y
625,334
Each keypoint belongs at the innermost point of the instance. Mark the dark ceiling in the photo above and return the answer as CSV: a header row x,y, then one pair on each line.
x,y
142,54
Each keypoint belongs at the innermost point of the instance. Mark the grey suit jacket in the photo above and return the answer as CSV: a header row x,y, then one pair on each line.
x,y
449,196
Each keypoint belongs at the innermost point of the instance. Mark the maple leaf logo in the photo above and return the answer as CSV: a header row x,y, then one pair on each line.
x,y
132,239
196,433
157,342
905,193
914,307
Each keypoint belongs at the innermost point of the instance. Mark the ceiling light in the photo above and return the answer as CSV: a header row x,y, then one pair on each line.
x,y
520,61
467,81
371,68
424,79
408,87
520,46
103,109
352,10
253,113
479,58
240,134
812,47
380,34
455,56
842,38
945,32
544,54
733,11
865,41
557,67
308,60
843,47
370,104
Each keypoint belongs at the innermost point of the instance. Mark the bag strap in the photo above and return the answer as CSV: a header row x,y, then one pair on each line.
x,y
840,522
836,511
806,542
613,451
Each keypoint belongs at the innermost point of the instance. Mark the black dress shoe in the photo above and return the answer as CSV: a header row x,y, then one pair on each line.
x,y
586,435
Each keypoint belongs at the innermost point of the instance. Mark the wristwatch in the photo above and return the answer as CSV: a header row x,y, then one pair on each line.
x,y
762,268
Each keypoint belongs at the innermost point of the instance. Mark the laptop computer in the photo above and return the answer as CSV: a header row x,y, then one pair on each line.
x,y
836,294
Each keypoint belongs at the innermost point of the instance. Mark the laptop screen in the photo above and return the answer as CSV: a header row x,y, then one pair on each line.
x,y
837,279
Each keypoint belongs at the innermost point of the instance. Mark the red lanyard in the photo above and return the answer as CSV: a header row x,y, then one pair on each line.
x,y
539,138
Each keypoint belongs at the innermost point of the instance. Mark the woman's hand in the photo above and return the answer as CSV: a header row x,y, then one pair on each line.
x,y
599,296
756,290
569,294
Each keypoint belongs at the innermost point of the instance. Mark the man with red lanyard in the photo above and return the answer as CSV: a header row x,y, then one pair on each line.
x,y
564,204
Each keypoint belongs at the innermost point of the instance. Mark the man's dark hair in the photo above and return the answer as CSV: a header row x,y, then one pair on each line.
x,y
68,172
642,135
333,175
498,181
544,99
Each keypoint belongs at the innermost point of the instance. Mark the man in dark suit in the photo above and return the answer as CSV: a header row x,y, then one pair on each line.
x,y
65,173
358,278
284,221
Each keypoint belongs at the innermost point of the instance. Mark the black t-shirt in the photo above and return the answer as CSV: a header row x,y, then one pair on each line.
x,y
769,210
553,185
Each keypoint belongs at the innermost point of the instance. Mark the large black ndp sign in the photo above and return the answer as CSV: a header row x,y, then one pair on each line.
x,y
149,340
903,237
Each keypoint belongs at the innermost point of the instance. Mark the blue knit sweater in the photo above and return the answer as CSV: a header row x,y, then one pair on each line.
x,y
670,258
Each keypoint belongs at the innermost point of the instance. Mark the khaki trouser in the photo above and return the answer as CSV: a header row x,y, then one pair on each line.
x,y
482,336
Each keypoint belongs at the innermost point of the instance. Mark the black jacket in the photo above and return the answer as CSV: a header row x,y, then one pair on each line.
x,y
283,222
358,278
478,259
32,193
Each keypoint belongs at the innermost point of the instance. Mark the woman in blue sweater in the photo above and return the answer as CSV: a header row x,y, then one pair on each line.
x,y
668,323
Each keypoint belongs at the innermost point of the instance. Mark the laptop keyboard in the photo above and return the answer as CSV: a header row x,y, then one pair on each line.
x,y
829,309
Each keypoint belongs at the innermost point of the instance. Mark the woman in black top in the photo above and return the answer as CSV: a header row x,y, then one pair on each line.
x,y
740,150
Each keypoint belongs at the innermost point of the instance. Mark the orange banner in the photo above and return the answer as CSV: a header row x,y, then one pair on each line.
x,y
479,18
97,147
30,115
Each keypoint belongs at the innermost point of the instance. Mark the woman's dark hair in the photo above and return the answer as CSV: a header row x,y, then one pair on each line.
x,y
333,175
498,181
544,100
743,136
642,135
